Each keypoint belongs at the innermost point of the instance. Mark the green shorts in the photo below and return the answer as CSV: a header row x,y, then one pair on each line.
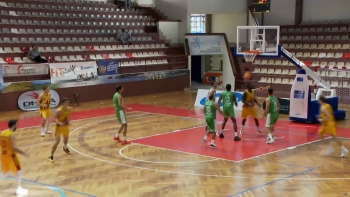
x,y
271,120
229,112
211,123
121,116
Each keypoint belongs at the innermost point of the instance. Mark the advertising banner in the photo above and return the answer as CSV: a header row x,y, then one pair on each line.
x,y
299,97
10,70
27,100
206,45
107,71
202,97
74,74
121,78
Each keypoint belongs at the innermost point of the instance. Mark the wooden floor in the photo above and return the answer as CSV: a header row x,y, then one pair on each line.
x,y
101,167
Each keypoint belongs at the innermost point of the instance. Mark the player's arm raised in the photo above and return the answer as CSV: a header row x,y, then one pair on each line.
x,y
57,114
17,150
266,111
217,107
220,98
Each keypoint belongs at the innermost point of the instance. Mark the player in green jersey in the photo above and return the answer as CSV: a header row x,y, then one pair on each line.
x,y
212,91
209,110
229,99
272,112
120,113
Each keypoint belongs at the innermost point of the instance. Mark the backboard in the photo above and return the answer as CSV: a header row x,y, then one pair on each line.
x,y
262,38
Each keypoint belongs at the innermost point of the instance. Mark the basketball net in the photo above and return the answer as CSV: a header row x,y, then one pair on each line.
x,y
249,56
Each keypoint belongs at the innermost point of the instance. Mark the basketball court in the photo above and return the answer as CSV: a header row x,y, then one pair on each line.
x,y
167,157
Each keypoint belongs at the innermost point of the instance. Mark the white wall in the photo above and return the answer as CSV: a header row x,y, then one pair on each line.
x,y
326,9
216,6
175,10
145,3
227,23
170,30
282,12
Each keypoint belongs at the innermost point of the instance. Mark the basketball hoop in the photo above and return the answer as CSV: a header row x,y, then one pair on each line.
x,y
249,56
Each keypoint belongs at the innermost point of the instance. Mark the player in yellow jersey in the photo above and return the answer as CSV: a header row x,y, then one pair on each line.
x,y
62,120
248,107
9,159
44,102
328,127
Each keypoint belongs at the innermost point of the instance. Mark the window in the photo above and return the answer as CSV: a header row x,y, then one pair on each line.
x,y
197,23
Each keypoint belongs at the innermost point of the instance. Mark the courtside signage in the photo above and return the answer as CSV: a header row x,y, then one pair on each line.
x,y
27,100
9,70
74,74
202,97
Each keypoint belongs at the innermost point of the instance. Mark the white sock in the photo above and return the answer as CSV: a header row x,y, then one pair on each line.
x,y
270,136
343,148
18,179
65,146
3,176
42,130
117,135
236,134
220,132
212,142
124,138
205,137
47,125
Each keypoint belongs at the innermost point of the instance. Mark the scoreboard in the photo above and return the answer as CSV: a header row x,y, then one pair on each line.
x,y
259,6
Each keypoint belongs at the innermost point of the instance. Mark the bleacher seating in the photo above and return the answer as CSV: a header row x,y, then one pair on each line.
x,y
78,30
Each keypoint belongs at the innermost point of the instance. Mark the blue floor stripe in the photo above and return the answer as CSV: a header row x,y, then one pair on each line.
x,y
57,189
271,182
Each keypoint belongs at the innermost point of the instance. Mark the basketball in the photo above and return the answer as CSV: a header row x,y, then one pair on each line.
x,y
247,75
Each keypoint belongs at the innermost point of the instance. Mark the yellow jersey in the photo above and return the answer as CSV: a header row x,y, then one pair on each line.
x,y
64,116
6,143
250,98
45,100
327,107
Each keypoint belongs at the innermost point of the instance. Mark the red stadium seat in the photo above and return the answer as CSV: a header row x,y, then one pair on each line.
x,y
50,59
129,55
86,57
25,49
346,55
308,63
91,48
10,60
106,56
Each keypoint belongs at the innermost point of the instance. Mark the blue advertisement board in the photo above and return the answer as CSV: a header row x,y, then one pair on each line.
x,y
107,71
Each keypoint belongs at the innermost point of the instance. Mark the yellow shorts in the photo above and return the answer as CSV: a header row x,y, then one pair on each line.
x,y
10,163
62,131
328,129
45,114
250,111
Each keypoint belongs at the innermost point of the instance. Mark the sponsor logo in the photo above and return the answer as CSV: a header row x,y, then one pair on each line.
x,y
27,100
196,42
238,97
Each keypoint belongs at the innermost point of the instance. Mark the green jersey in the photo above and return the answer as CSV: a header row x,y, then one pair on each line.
x,y
210,111
273,105
116,101
228,99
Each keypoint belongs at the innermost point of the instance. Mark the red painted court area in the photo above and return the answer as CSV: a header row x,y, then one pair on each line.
x,y
189,139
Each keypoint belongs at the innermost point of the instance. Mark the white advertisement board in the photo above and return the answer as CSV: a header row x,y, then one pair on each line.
x,y
202,96
27,100
206,45
74,74
10,70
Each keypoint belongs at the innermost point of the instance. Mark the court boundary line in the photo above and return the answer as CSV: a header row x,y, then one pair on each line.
x,y
162,162
188,173
59,190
